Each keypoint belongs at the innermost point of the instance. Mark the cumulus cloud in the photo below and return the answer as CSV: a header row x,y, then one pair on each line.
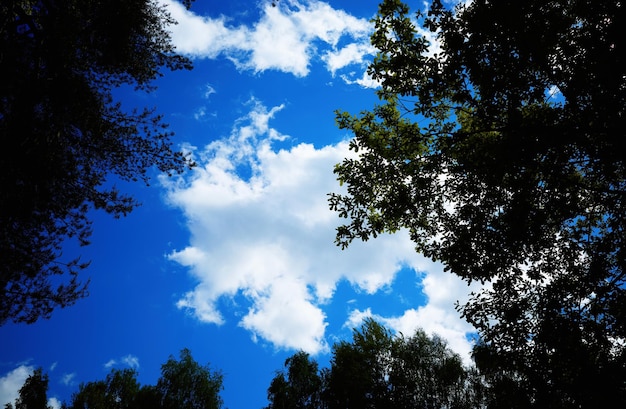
x,y
129,360
202,36
261,231
287,37
11,383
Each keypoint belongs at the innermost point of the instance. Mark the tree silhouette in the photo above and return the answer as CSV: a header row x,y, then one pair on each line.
x,y
64,135
498,146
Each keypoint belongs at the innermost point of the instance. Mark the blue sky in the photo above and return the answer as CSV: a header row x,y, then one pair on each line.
x,y
235,260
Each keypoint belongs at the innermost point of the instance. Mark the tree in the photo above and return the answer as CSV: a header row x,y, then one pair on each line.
x,y
358,376
300,387
64,134
118,391
380,370
426,373
185,384
498,146
34,393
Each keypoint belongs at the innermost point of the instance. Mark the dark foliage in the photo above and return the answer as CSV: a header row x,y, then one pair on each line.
x,y
299,387
63,134
183,384
34,392
119,390
379,370
502,153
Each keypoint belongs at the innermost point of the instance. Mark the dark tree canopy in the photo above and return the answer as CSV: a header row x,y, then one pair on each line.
x,y
34,393
502,153
183,384
63,134
379,370
119,390
299,387
360,369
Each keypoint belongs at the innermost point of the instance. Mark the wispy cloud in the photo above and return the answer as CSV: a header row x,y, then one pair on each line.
x,y
287,37
208,91
260,228
68,379
200,113
129,360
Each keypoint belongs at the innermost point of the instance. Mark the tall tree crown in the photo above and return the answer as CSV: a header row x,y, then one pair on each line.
x,y
498,145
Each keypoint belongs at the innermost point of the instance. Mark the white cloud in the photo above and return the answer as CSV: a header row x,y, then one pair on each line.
x,y
287,37
366,81
110,363
128,360
353,53
68,379
131,361
438,316
208,91
54,403
260,228
200,113
348,56
202,36
11,383
273,316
